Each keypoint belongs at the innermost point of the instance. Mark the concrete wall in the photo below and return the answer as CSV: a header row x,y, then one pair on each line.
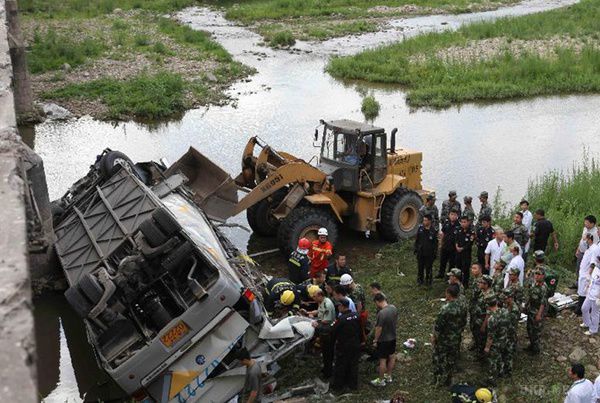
x,y
17,373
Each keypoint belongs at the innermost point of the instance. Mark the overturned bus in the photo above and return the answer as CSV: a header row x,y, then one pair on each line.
x,y
166,298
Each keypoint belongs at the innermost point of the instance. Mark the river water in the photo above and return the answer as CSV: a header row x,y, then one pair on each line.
x,y
470,148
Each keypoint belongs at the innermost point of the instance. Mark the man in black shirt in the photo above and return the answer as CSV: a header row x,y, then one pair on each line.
x,y
448,256
337,269
483,235
542,230
425,249
346,339
464,244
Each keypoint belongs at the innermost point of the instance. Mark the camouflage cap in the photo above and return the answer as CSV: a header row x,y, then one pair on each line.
x,y
454,272
483,194
539,270
467,199
430,196
486,278
507,292
514,270
491,300
452,193
539,255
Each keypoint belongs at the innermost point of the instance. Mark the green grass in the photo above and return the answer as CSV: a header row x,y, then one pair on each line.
x,y
431,81
89,8
370,107
146,96
281,39
49,51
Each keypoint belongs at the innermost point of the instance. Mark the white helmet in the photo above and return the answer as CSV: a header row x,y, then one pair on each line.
x,y
346,279
322,231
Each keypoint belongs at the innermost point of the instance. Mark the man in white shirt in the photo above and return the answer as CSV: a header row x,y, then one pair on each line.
x,y
493,251
516,262
596,392
592,251
589,227
582,389
527,220
589,309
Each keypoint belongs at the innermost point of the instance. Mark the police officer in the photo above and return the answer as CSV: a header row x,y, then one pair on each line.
x,y
464,244
281,293
299,263
430,208
449,205
486,209
425,249
448,235
346,339
469,212
535,307
483,235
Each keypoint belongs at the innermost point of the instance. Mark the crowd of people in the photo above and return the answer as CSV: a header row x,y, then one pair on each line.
x,y
493,281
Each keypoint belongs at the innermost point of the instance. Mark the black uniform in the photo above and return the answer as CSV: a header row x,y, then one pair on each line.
x,y
298,266
346,339
483,237
426,243
334,274
448,256
464,239
276,287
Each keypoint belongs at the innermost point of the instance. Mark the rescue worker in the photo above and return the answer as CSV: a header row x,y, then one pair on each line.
x,y
446,337
480,315
448,241
425,249
337,269
497,347
514,313
473,293
468,211
498,276
281,293
520,231
325,314
514,285
486,209
536,304
298,262
346,340
449,205
430,208
455,277
320,252
539,261
357,295
483,235
464,245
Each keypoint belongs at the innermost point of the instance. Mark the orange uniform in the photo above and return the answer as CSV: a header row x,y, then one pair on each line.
x,y
319,256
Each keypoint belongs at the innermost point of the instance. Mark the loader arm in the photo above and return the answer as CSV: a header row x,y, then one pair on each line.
x,y
294,172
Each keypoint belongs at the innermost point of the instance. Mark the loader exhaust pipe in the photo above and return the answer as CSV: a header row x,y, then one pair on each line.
x,y
393,140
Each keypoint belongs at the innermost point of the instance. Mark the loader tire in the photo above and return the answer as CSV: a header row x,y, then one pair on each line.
x,y
154,236
400,215
78,302
305,222
109,164
260,218
165,221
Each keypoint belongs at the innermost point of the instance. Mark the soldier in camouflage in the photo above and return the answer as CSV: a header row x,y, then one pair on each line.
x,y
486,209
449,205
480,316
469,212
535,307
430,208
515,287
539,262
514,312
446,338
497,347
455,277
521,234
498,276
473,296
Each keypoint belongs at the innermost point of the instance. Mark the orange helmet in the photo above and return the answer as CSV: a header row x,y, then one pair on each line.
x,y
304,243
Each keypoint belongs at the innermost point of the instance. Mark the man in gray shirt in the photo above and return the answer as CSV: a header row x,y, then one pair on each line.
x,y
253,385
385,339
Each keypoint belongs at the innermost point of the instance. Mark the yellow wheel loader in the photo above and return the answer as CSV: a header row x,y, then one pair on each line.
x,y
357,181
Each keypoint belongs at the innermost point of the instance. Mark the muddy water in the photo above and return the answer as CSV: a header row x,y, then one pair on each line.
x,y
469,148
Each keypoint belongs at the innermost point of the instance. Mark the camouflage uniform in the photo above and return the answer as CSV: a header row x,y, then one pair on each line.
x,y
479,315
521,234
473,297
486,210
447,206
469,212
358,295
536,296
435,213
498,283
446,330
518,293
499,330
515,316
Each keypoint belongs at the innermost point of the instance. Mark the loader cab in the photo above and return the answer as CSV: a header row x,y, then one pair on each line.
x,y
353,154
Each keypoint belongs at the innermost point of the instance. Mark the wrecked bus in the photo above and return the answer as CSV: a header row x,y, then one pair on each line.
x,y
167,300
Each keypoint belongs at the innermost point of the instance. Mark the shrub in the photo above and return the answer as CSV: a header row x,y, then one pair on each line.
x,y
282,39
370,107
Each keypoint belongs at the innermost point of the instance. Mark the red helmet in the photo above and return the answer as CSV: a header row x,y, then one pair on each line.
x,y
304,243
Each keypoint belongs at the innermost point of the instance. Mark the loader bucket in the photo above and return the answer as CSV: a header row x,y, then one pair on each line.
x,y
215,192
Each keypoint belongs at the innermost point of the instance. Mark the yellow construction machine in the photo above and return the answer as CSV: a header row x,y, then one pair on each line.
x,y
358,181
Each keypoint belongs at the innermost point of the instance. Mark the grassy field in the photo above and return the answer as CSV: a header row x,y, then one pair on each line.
x,y
567,197
81,51
318,20
553,52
